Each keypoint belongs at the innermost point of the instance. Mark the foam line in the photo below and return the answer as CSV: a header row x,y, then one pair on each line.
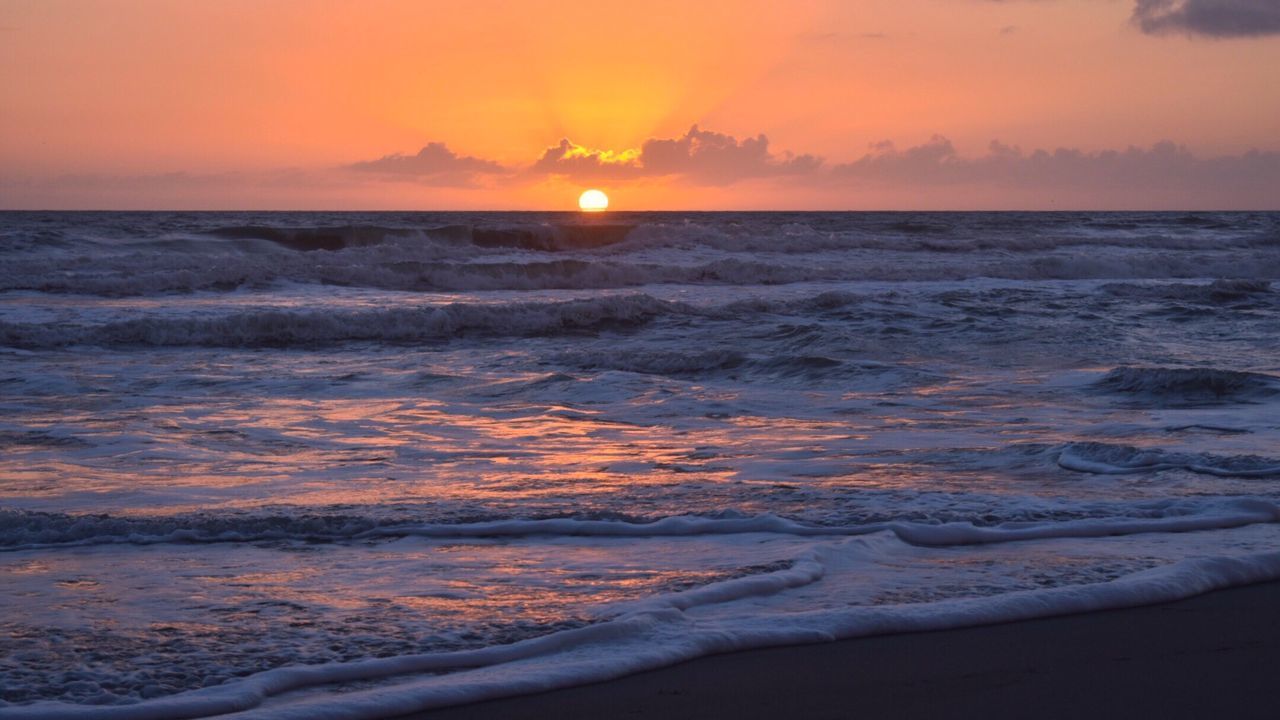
x,y
1104,459
638,642
1227,514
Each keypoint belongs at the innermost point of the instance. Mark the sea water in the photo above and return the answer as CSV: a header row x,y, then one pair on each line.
x,y
354,465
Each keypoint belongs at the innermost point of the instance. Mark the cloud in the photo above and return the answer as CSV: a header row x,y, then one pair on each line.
x,y
700,155
1208,18
574,160
434,164
1164,170
717,157
933,174
1212,18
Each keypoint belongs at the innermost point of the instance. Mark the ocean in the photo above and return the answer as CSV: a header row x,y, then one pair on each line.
x,y
352,465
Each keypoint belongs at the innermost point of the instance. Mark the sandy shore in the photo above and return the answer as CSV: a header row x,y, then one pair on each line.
x,y
1216,655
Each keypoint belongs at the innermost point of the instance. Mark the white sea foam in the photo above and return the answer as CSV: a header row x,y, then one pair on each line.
x,y
1108,459
29,531
664,631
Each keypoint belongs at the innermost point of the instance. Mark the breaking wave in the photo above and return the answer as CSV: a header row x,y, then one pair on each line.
x,y
432,267
312,238
1107,459
1188,387
547,237
25,530
425,252
280,328
1218,292
286,328
726,362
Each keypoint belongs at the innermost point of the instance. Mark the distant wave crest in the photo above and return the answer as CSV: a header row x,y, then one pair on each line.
x,y
278,328
1183,387
423,252
1108,459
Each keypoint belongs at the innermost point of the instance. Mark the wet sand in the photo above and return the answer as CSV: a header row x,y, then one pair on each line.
x,y
1215,655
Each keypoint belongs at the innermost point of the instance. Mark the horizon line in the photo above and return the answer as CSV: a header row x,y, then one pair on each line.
x,y
606,213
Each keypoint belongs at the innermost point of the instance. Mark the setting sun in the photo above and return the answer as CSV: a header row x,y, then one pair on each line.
x,y
593,201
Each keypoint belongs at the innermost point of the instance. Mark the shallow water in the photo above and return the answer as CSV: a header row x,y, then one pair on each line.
x,y
239,442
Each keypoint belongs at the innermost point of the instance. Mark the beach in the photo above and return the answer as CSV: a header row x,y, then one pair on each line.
x,y
1213,655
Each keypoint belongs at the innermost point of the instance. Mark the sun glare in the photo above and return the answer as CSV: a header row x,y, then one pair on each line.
x,y
593,201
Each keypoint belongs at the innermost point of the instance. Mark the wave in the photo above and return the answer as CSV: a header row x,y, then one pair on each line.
x,y
547,237
24,530
287,328
282,328
808,347
21,530
655,634
552,238
949,233
737,365
308,239
38,438
1188,387
428,268
434,267
972,230
143,255
654,362
1218,292
571,274
1107,459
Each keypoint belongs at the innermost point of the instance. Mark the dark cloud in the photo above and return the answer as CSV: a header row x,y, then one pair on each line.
x,y
701,155
1212,18
434,163
722,158
1207,18
1163,170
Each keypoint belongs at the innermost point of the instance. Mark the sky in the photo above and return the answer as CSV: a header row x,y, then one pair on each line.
x,y
809,104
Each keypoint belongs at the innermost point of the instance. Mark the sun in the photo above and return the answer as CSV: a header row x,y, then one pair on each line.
x,y
593,201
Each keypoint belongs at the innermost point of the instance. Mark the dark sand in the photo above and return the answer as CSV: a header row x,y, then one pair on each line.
x,y
1212,656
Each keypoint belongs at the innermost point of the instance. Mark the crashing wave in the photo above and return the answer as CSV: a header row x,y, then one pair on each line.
x,y
282,328
545,237
309,239
24,530
1218,292
1182,387
1107,459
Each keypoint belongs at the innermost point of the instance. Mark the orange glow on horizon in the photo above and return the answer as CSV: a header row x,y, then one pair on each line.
x,y
207,103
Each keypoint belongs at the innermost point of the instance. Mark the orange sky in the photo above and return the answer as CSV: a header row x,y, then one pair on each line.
x,y
231,103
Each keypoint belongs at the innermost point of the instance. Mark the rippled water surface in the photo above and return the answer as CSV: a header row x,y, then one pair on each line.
x,y
231,443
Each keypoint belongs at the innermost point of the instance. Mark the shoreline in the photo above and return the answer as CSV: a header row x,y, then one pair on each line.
x,y
1215,654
